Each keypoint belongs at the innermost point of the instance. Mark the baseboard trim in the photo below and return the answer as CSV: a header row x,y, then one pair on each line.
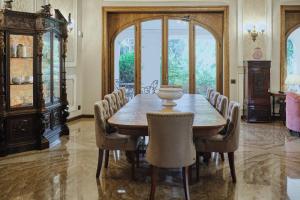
x,y
80,117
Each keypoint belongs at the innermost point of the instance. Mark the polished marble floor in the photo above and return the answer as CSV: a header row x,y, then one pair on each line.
x,y
267,166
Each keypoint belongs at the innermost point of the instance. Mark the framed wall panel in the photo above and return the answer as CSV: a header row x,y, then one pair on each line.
x,y
71,82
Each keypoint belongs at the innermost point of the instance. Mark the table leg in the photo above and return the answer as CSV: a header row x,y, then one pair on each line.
x,y
129,157
273,107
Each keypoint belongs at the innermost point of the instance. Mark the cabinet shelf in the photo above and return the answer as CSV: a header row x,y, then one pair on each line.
x,y
21,57
22,84
22,105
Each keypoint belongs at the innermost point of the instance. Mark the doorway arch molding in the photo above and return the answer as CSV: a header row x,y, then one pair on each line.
x,y
216,33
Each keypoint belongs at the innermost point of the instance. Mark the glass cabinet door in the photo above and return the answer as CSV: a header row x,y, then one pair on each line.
x,y
21,71
46,67
56,67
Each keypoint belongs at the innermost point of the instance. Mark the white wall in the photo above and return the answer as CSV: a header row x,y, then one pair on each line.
x,y
91,53
268,13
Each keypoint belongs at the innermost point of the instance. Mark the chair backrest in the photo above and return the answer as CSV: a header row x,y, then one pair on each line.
x,y
123,90
213,98
170,140
101,112
293,111
118,99
208,91
122,100
112,102
233,129
222,104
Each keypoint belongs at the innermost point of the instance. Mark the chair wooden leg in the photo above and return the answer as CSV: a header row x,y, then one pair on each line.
x,y
185,176
133,165
137,153
197,165
106,158
190,174
206,157
231,165
222,156
100,159
153,182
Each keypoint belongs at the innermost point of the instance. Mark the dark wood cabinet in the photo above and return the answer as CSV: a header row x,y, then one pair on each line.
x,y
33,99
257,105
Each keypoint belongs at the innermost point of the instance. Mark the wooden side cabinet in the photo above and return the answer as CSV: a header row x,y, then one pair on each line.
x,y
33,99
257,105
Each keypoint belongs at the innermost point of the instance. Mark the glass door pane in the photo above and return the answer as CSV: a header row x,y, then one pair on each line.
x,y
56,67
46,67
178,53
151,56
293,61
206,60
21,71
124,64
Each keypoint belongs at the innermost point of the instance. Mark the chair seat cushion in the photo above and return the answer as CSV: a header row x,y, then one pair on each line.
x,y
110,129
215,143
229,142
116,141
226,128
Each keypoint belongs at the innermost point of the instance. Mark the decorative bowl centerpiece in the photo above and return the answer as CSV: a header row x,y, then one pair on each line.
x,y
170,93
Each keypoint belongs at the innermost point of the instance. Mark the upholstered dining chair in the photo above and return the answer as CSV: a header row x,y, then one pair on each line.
x,y
213,98
118,98
222,104
227,143
112,141
170,145
122,98
208,91
112,102
123,90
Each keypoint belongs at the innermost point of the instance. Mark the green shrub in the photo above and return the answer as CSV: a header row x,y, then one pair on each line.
x,y
126,64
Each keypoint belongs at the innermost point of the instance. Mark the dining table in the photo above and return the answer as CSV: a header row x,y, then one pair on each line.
x,y
131,119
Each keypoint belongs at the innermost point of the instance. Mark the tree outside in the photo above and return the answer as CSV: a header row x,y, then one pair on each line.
x,y
178,63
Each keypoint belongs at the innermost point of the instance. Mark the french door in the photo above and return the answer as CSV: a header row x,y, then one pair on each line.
x,y
143,50
290,48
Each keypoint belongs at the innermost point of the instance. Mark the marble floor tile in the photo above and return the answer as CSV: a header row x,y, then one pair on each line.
x,y
267,167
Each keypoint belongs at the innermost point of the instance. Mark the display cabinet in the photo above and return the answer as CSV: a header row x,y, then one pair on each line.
x,y
33,99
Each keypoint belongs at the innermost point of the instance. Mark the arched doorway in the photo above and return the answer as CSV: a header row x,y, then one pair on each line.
x,y
293,59
290,48
164,48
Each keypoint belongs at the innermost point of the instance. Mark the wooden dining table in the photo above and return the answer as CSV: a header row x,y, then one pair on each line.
x,y
131,119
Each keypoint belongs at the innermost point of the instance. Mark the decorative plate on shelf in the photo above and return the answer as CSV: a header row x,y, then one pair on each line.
x,y
258,54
